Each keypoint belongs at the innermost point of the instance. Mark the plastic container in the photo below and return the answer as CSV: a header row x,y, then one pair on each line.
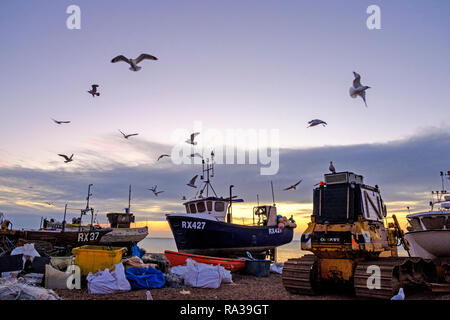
x,y
258,267
95,258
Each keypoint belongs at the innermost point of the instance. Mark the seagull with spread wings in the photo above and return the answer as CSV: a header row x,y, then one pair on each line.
x,y
162,156
192,182
154,190
191,139
294,186
358,89
157,192
133,62
94,91
68,159
59,122
316,122
126,136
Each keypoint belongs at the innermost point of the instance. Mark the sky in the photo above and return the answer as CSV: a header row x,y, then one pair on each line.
x,y
228,65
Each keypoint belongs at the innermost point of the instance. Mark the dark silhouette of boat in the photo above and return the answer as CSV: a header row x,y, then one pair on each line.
x,y
206,228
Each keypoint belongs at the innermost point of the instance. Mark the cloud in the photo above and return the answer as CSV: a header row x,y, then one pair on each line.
x,y
406,170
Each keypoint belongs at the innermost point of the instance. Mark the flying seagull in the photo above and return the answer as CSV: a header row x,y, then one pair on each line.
x,y
162,156
294,186
192,182
94,91
191,140
133,62
332,169
357,89
316,122
157,192
60,122
68,159
126,136
154,191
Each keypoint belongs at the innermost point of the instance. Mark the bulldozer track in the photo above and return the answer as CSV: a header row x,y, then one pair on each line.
x,y
299,275
395,273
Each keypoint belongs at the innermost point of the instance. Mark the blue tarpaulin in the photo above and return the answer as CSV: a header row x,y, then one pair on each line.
x,y
145,278
136,251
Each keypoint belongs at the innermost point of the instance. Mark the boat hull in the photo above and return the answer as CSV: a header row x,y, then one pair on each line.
x,y
179,258
429,244
121,236
59,238
209,237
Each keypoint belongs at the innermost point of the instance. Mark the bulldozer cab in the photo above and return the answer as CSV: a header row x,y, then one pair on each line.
x,y
344,199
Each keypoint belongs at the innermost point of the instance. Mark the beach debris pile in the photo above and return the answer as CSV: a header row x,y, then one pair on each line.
x,y
19,289
27,275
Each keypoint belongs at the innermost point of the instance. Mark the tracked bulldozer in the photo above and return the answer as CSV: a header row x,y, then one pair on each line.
x,y
353,244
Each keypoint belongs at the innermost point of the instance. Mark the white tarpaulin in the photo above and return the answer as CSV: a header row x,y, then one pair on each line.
x,y
106,282
277,268
202,275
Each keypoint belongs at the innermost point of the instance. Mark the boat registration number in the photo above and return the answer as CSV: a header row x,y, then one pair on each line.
x,y
87,236
274,230
193,225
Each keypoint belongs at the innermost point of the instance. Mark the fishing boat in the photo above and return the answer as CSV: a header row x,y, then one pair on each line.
x,y
179,258
48,240
121,235
429,231
207,228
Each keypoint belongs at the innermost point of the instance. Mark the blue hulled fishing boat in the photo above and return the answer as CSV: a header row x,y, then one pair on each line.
x,y
206,226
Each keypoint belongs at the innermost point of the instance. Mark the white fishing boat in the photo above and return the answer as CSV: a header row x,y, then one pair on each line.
x,y
429,231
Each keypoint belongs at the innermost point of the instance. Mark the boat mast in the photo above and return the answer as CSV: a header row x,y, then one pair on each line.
x,y
230,211
83,212
273,195
129,199
64,220
209,167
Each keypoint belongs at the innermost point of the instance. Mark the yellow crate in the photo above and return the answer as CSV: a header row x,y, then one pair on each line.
x,y
95,258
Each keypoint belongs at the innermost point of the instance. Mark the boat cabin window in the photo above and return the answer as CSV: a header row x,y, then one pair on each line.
x,y
192,207
433,223
219,206
187,209
201,206
209,205
415,224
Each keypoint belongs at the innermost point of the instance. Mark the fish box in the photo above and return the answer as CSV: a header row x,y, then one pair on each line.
x,y
95,258
258,268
